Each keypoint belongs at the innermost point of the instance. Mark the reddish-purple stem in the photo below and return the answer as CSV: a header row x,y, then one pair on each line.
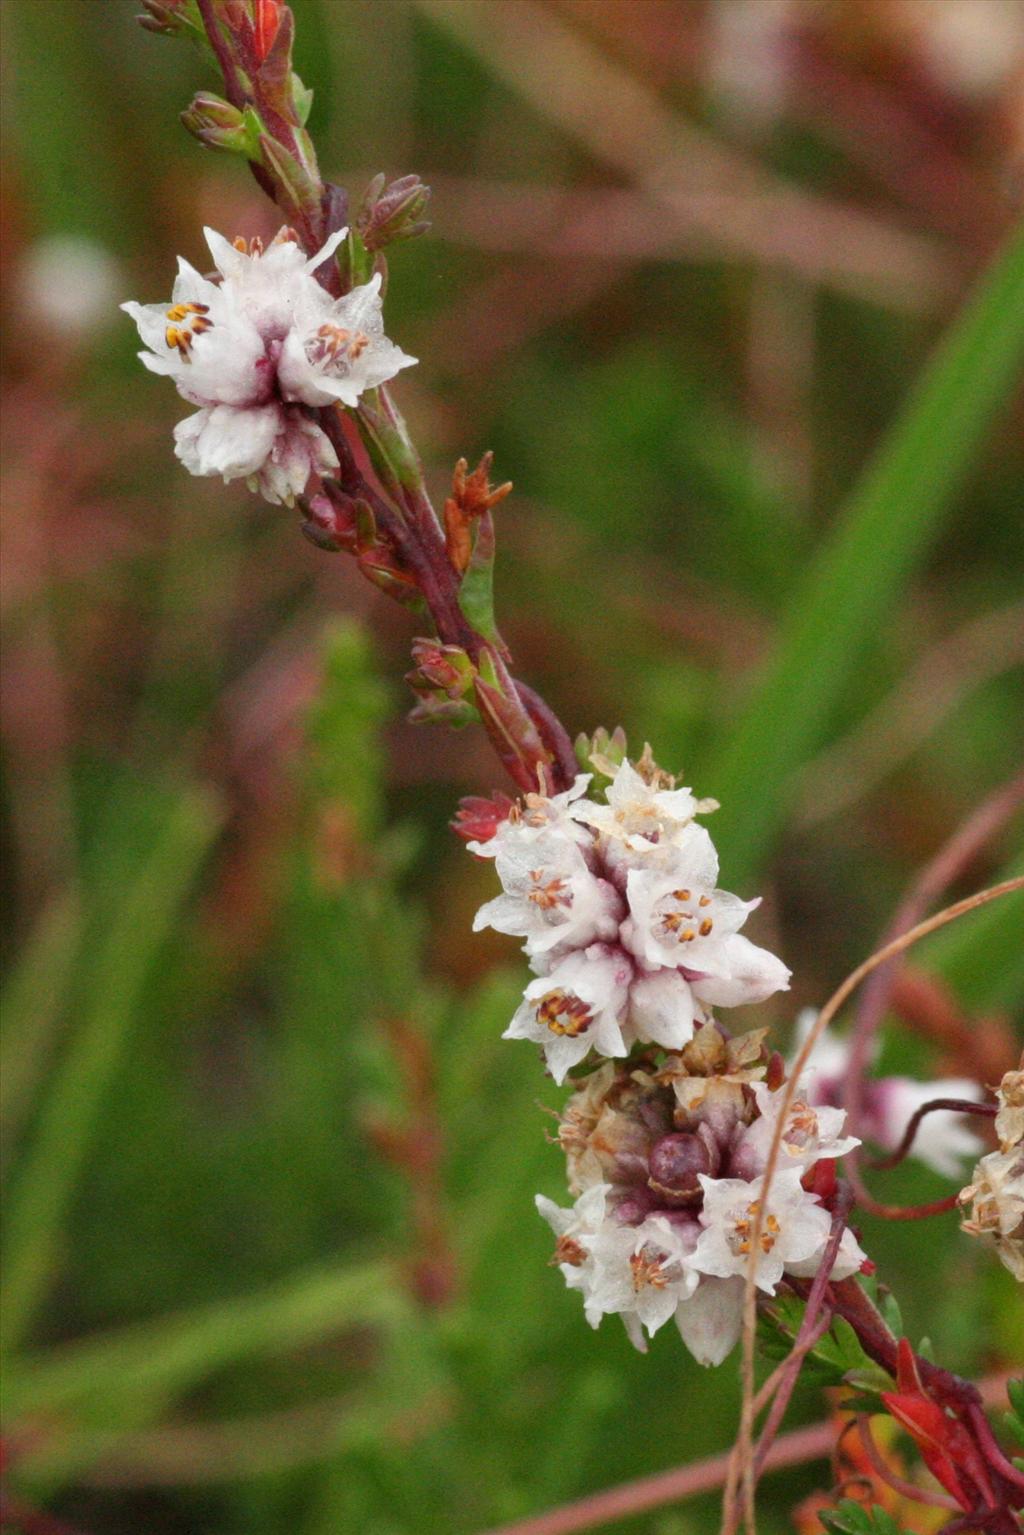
x,y
809,1330
888,1475
959,1105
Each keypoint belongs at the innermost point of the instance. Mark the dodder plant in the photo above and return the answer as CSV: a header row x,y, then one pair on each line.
x,y
706,1176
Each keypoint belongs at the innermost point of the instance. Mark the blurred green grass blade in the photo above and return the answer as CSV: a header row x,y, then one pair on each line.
x,y
44,1183
30,1007
170,1355
982,957
886,529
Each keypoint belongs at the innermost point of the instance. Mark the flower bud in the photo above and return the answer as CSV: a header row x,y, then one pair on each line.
x,y
329,521
441,669
169,16
219,125
393,213
676,1163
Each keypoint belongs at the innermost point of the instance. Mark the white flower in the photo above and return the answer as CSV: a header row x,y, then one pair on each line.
x,y
678,919
996,1194
1009,1125
710,1320
575,1230
809,1133
661,1009
273,446
264,338
337,350
551,897
639,818
641,1272
794,1228
537,814
575,1009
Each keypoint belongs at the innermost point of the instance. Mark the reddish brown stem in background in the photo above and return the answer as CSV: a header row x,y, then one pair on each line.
x,y
632,1498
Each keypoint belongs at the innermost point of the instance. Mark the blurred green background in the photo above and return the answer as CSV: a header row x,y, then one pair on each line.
x,y
272,1263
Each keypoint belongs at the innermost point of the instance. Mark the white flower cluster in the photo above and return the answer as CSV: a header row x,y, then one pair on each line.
x,y
256,348
996,1189
653,1236
624,926
632,943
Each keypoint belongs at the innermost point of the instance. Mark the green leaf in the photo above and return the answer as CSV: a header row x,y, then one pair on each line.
x,y
174,1353
30,1009
302,96
849,1518
476,593
1014,1419
45,1182
887,528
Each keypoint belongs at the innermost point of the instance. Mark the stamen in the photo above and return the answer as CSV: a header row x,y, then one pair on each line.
x,y
179,337
567,1250
647,1271
563,1013
706,926
547,896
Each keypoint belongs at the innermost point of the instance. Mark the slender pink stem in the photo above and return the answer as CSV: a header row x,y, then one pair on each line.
x,y
631,1498
811,1329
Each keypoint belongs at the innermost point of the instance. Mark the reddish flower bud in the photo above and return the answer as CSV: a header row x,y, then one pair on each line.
x,y
477,819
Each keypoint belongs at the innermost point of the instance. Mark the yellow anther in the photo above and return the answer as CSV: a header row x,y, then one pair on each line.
x,y
706,927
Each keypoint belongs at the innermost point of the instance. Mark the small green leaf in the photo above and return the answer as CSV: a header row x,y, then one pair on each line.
x,y
849,1518
302,96
476,593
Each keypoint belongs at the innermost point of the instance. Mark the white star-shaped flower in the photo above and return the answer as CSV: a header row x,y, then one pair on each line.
x,y
638,818
539,813
795,1229
575,1009
551,897
678,919
809,1134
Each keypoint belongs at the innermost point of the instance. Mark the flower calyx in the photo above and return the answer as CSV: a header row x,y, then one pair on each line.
x,y
601,754
219,125
472,498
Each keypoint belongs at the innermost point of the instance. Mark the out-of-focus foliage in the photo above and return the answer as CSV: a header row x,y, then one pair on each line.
x,y
272,1261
